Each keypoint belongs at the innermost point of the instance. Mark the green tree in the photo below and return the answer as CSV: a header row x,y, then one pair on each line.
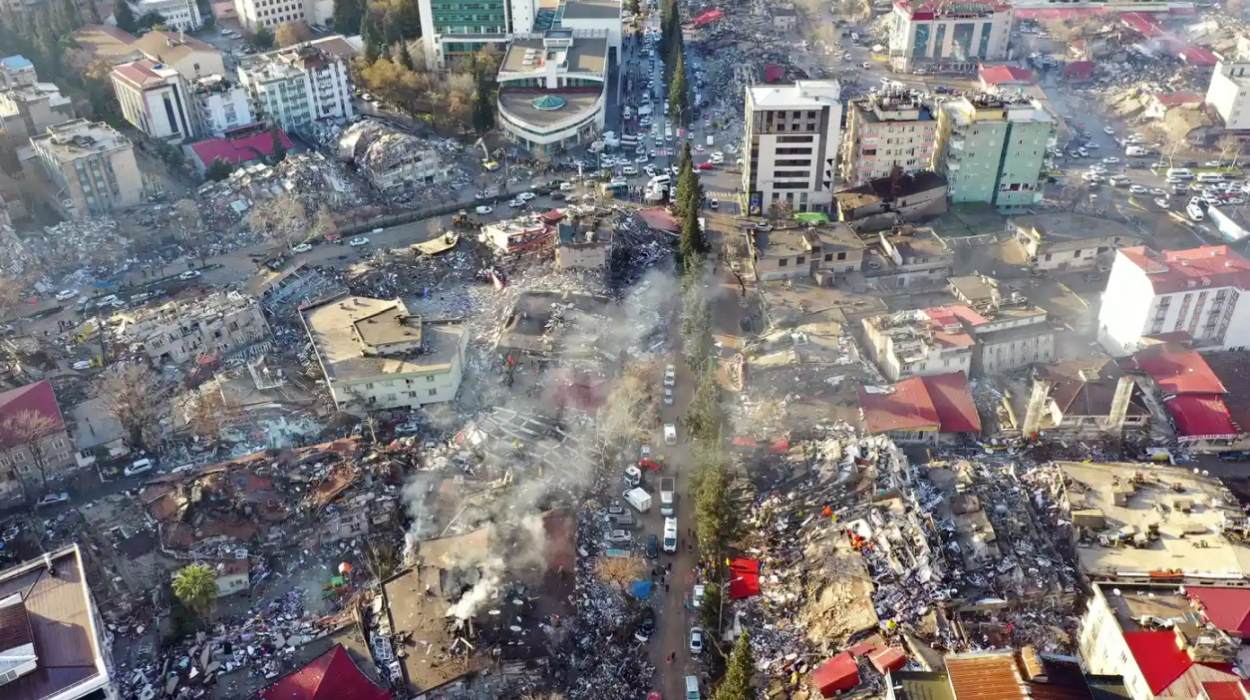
x,y
736,683
693,246
407,19
715,511
688,194
705,415
124,16
370,37
631,6
279,149
347,16
263,38
219,169
710,610
149,20
678,91
195,585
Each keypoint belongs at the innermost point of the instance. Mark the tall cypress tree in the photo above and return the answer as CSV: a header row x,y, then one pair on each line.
x,y
279,150
736,683
347,16
370,37
124,16
678,93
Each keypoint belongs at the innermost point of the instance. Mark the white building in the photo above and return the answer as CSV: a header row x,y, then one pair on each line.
x,y
180,15
948,36
390,158
15,71
377,356
154,100
1198,292
1229,93
792,136
219,106
591,17
885,131
553,89
302,84
255,14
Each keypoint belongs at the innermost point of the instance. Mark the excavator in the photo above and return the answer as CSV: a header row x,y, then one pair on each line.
x,y
489,164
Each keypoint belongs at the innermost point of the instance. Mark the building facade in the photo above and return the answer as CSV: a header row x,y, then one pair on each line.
x,y
259,14
822,253
16,71
177,332
390,158
218,106
1229,93
154,99
91,167
791,141
992,149
1200,292
553,89
26,110
917,343
300,85
452,29
939,36
34,443
885,131
180,15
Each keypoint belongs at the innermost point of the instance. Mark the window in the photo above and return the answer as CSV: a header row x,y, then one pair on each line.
x,y
842,256
800,260
783,262
433,392
828,257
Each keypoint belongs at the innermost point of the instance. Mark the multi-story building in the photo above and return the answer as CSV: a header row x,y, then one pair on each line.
x,y
377,356
909,257
91,167
154,100
1023,673
180,15
258,14
1229,92
35,447
300,85
948,35
918,343
887,131
192,58
1199,292
54,642
553,89
28,109
179,332
219,105
822,253
16,71
452,29
992,149
791,141
390,158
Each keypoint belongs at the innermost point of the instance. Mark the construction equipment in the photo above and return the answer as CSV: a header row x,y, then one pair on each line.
x,y
487,162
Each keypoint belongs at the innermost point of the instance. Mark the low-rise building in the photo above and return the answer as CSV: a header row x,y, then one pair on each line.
x,y
16,71
35,448
178,332
886,202
191,57
27,109
1062,242
887,132
907,257
948,37
154,100
377,356
1198,292
218,106
55,643
553,89
1021,673
518,235
992,149
920,343
180,15
237,147
823,253
231,576
390,158
928,410
1206,414
583,243
1074,399
301,85
90,165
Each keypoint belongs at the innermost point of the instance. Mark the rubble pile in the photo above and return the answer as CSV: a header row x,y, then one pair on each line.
x,y
311,177
94,244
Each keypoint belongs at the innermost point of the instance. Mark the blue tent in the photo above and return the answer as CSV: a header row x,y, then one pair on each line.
x,y
641,589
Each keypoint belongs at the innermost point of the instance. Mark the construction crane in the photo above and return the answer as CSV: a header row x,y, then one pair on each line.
x,y
487,163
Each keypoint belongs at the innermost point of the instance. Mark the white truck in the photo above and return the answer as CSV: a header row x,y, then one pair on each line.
x,y
670,535
668,487
639,499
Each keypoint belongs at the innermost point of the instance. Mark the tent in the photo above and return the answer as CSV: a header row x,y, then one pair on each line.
x,y
745,578
641,589
839,673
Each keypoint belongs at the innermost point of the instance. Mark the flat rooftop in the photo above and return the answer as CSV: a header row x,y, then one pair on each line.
x,y
417,606
1149,495
531,54
331,329
525,105
804,94
78,137
592,9
1057,226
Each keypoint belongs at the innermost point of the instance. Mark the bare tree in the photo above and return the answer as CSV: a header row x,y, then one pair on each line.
x,y
282,220
291,33
620,571
29,430
10,294
1230,149
631,407
129,391
208,415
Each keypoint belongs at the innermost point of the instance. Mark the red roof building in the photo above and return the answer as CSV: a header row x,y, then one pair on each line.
x,y
1226,608
837,674
1177,270
1167,667
37,398
1079,71
921,409
1190,391
997,76
331,676
234,150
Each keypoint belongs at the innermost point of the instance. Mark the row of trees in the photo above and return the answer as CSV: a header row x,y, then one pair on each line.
x,y
673,49
461,98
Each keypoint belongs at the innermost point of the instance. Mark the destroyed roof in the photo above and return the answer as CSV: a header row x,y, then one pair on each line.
x,y
1177,370
1225,607
235,150
659,218
1177,270
941,402
331,328
1201,417
331,676
37,398
839,673
985,676
1086,387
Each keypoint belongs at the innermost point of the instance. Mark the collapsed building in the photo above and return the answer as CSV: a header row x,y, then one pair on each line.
x,y
177,332
388,157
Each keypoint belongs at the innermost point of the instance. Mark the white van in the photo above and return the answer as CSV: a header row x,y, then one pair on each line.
x,y
670,434
1179,174
1210,177
1195,211
1132,151
670,535
692,688
660,181
139,466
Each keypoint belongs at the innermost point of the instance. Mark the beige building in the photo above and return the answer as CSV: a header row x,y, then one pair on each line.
x,y
884,131
180,332
189,56
823,253
34,442
90,166
582,245
378,356
918,343
1069,241
26,110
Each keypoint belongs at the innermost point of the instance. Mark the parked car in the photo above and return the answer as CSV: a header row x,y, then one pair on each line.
x,y
646,626
66,294
483,209
525,196
139,466
407,428
670,375
54,498
617,535
301,248
653,547
189,275
696,640
358,241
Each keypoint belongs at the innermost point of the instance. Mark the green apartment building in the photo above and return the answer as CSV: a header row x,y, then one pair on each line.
x,y
992,149
453,29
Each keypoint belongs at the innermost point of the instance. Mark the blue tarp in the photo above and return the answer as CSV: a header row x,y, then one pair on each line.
x,y
641,589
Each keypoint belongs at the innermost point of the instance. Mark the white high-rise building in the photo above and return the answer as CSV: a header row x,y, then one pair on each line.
x,y
255,14
154,100
1229,92
302,84
791,145
1200,292
219,105
180,15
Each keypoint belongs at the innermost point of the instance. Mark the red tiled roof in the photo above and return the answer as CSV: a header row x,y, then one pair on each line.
x,y
1176,370
139,72
1226,608
1175,99
1178,270
888,659
1201,417
839,673
707,17
1160,659
1226,690
985,677
1142,23
1198,56
659,218
37,397
331,676
1002,75
952,398
238,150
1079,70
